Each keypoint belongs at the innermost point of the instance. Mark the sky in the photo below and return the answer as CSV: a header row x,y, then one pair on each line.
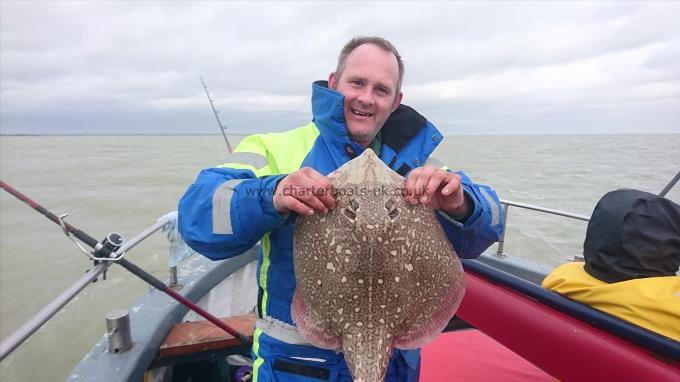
x,y
88,67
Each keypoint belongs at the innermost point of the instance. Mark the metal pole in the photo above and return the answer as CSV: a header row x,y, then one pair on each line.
x,y
501,242
217,117
29,327
548,210
39,319
172,280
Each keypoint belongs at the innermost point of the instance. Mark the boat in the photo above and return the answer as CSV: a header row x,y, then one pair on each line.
x,y
505,312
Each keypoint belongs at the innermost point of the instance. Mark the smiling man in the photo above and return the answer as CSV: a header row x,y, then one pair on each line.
x,y
370,79
272,177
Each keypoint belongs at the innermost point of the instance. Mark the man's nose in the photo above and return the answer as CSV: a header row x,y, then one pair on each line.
x,y
366,96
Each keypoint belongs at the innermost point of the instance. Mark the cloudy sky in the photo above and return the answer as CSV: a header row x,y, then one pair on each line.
x,y
471,68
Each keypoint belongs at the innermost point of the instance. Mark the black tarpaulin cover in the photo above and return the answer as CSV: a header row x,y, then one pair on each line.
x,y
632,234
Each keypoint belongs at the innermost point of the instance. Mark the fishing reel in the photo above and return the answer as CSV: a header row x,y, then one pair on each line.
x,y
110,245
102,250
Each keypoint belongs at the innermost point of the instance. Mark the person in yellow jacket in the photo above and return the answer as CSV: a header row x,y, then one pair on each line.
x,y
632,255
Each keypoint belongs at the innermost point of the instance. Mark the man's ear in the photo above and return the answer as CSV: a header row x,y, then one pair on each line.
x,y
397,101
332,81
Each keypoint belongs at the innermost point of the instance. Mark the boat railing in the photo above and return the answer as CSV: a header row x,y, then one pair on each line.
x,y
34,323
508,203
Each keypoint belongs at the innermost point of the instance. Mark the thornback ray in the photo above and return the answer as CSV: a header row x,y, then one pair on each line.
x,y
374,273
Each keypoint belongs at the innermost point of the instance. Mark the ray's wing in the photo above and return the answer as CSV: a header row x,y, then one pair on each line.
x,y
437,281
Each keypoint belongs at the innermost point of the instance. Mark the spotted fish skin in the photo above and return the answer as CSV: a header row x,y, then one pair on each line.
x,y
375,273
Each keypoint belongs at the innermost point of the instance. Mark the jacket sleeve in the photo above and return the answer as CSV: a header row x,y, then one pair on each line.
x,y
483,226
229,208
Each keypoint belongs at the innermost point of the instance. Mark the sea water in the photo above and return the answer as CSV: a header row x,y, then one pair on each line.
x,y
124,183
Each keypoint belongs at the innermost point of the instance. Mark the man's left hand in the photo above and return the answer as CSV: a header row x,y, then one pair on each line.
x,y
442,190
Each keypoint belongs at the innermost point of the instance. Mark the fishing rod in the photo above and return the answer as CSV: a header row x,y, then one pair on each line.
x,y
670,185
107,248
217,117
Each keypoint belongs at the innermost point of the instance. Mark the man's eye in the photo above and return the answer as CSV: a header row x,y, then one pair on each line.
x,y
355,82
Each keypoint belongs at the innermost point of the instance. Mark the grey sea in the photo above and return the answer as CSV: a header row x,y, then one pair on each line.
x,y
124,183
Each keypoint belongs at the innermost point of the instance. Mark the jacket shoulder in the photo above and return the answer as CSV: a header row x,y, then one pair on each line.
x,y
283,151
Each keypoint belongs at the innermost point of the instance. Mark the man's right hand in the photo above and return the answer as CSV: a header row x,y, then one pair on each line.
x,y
304,191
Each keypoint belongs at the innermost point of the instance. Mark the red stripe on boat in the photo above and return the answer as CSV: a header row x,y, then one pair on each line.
x,y
562,346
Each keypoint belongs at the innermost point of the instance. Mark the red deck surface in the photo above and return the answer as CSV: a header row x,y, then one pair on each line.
x,y
470,355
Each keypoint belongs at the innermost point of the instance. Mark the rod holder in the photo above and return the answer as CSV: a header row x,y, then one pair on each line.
x,y
118,331
172,282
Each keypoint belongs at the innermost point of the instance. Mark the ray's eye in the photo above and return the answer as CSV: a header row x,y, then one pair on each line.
x,y
354,204
391,207
350,212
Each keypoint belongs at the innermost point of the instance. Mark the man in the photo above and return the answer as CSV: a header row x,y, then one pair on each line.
x,y
273,177
632,255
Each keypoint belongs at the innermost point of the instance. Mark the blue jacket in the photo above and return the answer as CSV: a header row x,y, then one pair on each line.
x,y
229,208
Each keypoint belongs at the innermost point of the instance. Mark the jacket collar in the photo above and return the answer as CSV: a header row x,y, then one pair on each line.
x,y
328,112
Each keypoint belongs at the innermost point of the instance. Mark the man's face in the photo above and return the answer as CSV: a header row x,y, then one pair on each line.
x,y
369,84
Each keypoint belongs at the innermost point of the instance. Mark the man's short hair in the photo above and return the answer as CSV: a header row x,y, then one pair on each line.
x,y
377,41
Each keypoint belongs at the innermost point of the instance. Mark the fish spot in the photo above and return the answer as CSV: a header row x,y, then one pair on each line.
x,y
330,266
409,267
360,324
396,280
380,281
360,281
343,279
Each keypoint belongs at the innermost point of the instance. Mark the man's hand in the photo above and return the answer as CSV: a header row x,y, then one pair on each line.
x,y
304,191
440,189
